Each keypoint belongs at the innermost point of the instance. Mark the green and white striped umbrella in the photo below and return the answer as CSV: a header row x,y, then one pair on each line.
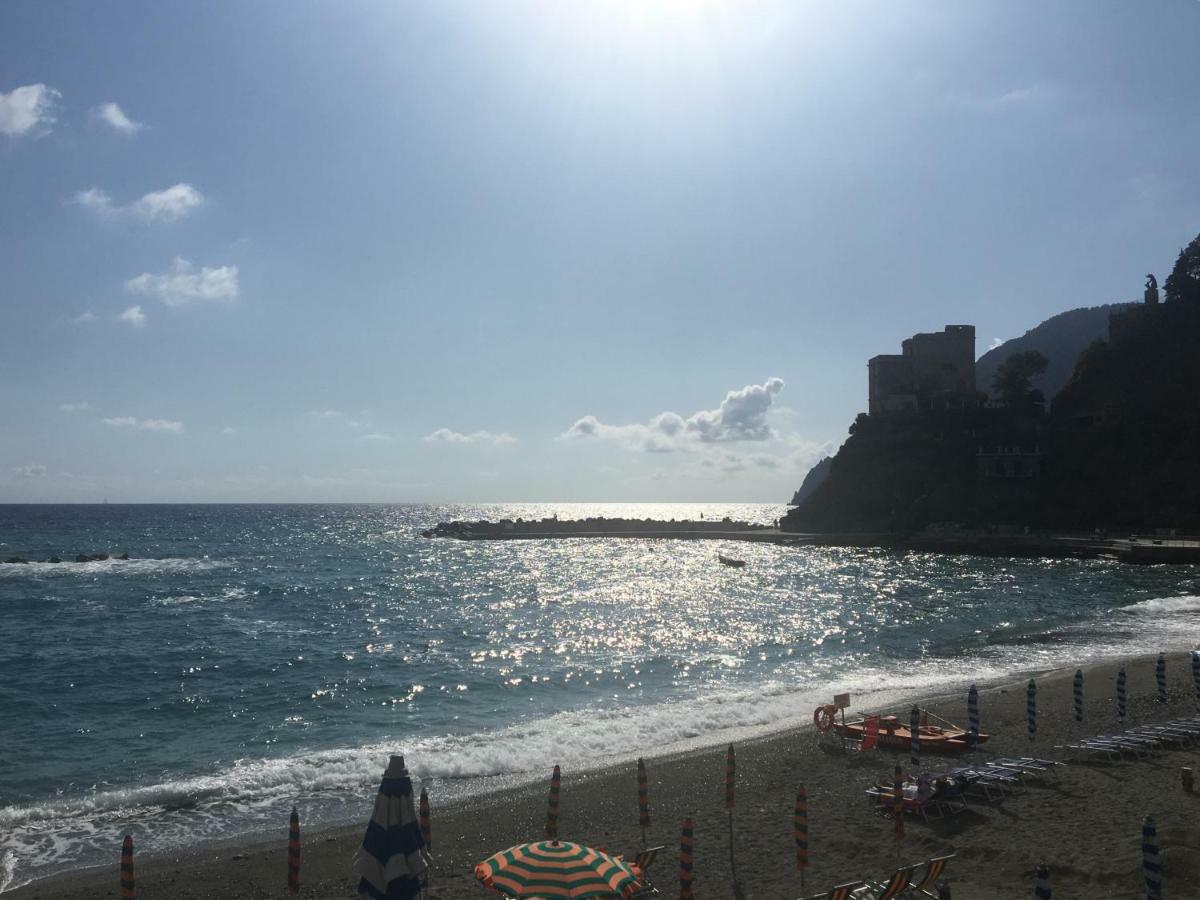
x,y
553,869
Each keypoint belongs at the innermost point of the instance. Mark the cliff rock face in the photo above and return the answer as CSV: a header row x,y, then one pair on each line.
x,y
1119,448
814,479
1060,339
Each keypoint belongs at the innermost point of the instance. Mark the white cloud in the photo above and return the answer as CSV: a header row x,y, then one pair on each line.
x,y
144,424
28,108
446,436
168,205
34,470
741,416
184,284
74,407
377,437
84,317
228,429
134,316
356,421
113,116
996,342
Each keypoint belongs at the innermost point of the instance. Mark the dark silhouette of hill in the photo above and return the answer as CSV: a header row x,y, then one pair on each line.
x,y
814,479
1060,339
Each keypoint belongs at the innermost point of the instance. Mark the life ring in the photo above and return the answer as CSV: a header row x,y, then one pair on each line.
x,y
823,717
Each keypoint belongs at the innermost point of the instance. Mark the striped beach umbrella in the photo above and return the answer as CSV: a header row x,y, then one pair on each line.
x,y
1160,676
1151,865
730,780
1121,695
1196,672
643,800
1031,708
1041,889
294,852
800,830
552,805
1079,695
128,883
554,869
687,850
898,806
973,714
914,743
390,863
426,824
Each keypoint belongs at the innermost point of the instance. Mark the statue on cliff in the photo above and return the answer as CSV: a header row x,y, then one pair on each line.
x,y
1151,295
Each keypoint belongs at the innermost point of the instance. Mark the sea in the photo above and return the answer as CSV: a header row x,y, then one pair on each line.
x,y
251,657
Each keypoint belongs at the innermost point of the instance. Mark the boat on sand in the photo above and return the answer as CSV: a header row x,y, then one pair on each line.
x,y
890,732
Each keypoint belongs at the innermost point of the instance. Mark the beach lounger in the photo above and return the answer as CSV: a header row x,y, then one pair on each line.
x,y
1165,735
894,887
643,861
1088,748
841,892
933,871
1031,764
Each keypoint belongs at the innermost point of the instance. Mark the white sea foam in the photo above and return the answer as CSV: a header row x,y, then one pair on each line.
x,y
126,567
1183,604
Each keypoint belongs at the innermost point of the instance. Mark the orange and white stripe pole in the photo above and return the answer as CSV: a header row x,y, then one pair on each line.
x,y
128,884
643,800
730,779
294,852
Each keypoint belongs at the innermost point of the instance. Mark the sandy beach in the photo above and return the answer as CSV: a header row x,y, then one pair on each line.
x,y
1084,821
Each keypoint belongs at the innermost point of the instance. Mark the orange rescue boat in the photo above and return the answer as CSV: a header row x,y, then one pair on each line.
x,y
890,732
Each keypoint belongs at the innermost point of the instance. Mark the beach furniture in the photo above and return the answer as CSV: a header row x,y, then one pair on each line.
x,y
895,886
558,869
841,892
1088,748
390,863
642,862
552,805
933,871
1030,764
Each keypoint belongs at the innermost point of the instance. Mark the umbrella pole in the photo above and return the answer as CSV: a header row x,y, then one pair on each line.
x,y
732,855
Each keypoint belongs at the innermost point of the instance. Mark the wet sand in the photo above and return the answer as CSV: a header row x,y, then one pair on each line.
x,y
1084,821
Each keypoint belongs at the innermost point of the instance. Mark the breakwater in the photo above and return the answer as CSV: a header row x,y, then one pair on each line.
x,y
550,528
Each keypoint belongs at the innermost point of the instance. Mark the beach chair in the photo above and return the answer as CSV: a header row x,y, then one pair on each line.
x,y
928,808
894,887
1031,764
841,892
933,871
1087,748
643,861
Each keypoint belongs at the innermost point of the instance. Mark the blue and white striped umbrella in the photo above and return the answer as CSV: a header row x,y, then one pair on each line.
x,y
1031,708
1079,695
1196,672
1151,866
914,727
973,712
1160,676
1041,890
1121,695
390,863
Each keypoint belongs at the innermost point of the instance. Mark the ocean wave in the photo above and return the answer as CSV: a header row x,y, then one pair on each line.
x,y
126,567
1158,605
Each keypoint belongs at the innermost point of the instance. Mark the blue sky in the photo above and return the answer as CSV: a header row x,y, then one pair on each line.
x,y
559,250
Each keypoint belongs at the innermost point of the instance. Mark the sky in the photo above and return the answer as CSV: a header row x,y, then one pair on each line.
x,y
625,250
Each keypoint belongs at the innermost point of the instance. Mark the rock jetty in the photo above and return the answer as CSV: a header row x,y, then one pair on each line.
x,y
519,529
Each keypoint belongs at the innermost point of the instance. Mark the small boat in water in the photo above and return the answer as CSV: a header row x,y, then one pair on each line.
x,y
731,562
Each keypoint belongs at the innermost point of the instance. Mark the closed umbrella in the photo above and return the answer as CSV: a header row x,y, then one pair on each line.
x,y
687,850
557,869
914,730
973,715
800,829
898,807
128,884
1160,676
1079,695
1121,695
390,863
552,806
1031,708
1151,866
643,801
1042,889
294,852
730,780
1196,672
426,824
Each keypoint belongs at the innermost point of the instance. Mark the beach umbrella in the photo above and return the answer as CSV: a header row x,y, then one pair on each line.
x,y
128,884
557,869
552,806
800,829
390,863
426,825
294,852
898,806
1151,866
643,800
687,849
730,778
1121,695
973,714
1031,708
1160,676
1079,695
1196,672
1042,889
914,729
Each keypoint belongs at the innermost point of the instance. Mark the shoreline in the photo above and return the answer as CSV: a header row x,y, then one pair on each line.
x,y
1084,822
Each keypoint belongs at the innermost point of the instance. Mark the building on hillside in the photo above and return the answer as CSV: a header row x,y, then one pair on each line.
x,y
934,371
1009,462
